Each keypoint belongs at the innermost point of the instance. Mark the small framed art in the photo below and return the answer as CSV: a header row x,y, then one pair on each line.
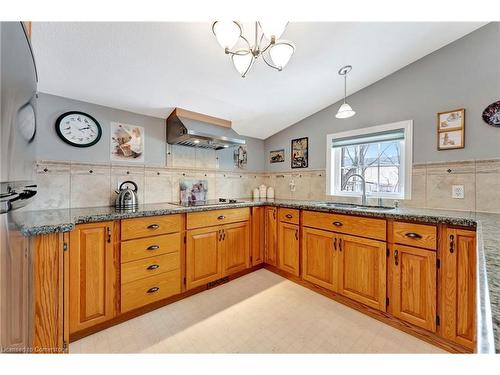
x,y
300,152
277,156
451,129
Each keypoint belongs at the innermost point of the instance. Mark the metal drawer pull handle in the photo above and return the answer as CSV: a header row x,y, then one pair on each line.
x,y
452,243
288,216
297,234
413,235
153,247
335,243
153,226
153,267
396,257
153,289
221,217
337,223
340,244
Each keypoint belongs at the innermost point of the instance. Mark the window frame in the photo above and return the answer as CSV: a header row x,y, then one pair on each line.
x,y
333,160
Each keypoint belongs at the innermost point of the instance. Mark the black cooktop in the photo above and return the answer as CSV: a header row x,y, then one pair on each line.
x,y
209,202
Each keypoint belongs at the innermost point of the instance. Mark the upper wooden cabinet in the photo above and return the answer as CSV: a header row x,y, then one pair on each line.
x,y
320,259
235,248
362,275
258,241
413,290
203,263
288,247
271,237
458,286
93,270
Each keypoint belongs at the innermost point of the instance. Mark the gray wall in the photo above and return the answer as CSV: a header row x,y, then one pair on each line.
x,y
463,74
51,147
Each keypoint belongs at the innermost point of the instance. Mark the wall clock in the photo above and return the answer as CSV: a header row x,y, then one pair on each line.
x,y
78,129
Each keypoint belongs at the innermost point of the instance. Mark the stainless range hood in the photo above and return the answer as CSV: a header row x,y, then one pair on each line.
x,y
193,129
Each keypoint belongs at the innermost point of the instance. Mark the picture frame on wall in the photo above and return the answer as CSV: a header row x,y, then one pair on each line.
x,y
451,129
277,156
300,153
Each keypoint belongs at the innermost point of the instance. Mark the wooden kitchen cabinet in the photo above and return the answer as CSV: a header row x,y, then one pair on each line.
x,y
362,275
288,248
458,286
271,237
413,291
320,259
258,235
92,275
203,263
235,248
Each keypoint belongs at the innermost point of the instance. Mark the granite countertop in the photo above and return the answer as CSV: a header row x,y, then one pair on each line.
x,y
32,223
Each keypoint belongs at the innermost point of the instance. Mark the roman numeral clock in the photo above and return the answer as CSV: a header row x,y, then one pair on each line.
x,y
78,129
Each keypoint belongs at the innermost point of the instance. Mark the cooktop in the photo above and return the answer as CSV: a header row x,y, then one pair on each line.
x,y
209,202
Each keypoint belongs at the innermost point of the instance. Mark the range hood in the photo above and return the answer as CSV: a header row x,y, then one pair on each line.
x,y
193,129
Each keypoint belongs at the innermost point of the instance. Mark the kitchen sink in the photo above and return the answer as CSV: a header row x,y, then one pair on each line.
x,y
355,206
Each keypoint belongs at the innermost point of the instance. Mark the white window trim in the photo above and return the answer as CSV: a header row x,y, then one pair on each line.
x,y
406,163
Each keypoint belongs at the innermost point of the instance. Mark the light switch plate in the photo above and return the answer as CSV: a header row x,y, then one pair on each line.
x,y
458,191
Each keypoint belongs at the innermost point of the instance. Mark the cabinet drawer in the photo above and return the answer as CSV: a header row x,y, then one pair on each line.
x,y
217,217
145,291
355,225
288,215
150,226
139,269
150,246
419,235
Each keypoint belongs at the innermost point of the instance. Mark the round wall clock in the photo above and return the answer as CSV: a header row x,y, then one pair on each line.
x,y
78,129
491,115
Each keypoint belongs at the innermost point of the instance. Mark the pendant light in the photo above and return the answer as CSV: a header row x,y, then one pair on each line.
x,y
345,110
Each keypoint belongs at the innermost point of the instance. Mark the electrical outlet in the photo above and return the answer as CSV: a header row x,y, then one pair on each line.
x,y
458,191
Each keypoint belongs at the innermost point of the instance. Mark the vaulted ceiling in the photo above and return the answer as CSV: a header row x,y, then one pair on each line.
x,y
150,68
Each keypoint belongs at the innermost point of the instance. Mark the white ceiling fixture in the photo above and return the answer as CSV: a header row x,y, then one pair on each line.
x,y
345,110
276,53
152,67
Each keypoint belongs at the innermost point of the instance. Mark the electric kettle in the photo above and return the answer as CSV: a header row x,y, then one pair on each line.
x,y
127,197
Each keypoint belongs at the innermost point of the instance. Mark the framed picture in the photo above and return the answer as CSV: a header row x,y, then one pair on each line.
x,y
451,129
300,152
277,156
127,142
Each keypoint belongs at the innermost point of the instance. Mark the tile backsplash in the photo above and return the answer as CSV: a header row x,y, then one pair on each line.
x,y
65,184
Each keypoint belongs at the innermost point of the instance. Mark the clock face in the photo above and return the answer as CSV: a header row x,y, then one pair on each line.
x,y
78,129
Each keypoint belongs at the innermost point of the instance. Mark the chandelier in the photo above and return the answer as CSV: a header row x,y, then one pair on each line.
x,y
275,52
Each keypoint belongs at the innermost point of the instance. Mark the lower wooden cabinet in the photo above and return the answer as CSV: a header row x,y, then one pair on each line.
x,y
92,275
271,237
235,248
458,286
413,291
288,247
362,275
203,262
258,235
320,258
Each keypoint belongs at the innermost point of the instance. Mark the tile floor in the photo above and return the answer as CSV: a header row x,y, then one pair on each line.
x,y
257,313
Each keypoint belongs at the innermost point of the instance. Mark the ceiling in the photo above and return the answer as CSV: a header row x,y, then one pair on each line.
x,y
150,68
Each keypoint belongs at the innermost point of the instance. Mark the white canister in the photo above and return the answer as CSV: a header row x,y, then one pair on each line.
x,y
270,192
262,191
256,193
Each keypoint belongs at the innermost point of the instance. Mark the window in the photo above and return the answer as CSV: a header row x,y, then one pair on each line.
x,y
381,154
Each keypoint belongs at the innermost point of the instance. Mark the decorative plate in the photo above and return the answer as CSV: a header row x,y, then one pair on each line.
x,y
491,115
78,129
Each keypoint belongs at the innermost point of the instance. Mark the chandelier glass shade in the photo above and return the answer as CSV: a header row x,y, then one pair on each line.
x,y
345,110
275,52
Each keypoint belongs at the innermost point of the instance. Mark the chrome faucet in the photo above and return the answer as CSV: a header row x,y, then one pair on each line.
x,y
363,197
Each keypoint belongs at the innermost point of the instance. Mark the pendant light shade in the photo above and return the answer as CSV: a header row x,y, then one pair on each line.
x,y
273,28
227,33
345,110
281,52
243,61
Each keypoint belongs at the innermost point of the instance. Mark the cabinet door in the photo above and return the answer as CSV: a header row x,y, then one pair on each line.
x,y
271,240
413,290
203,262
235,248
92,275
362,275
320,257
258,235
288,248
458,286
